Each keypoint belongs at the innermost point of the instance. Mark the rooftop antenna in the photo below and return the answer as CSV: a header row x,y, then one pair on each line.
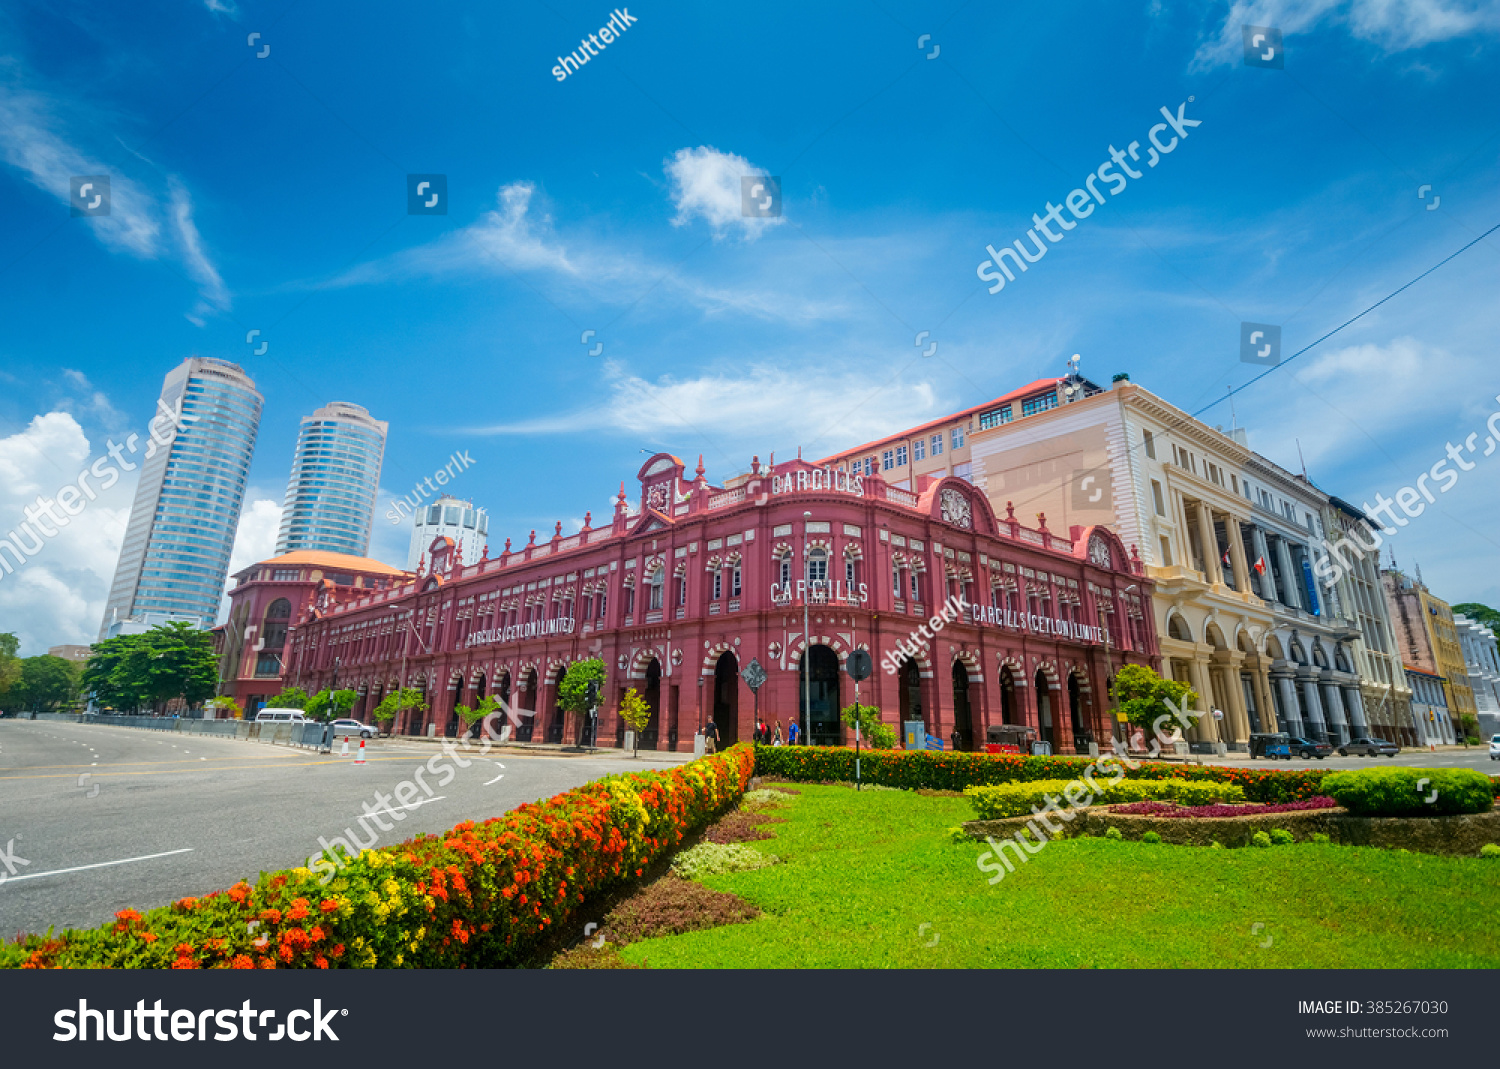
x,y
1299,456
1233,419
1073,387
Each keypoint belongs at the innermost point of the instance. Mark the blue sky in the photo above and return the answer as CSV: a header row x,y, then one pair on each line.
x,y
269,194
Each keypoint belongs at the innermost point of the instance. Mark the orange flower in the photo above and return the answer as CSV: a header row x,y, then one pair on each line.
x,y
149,937
241,961
328,905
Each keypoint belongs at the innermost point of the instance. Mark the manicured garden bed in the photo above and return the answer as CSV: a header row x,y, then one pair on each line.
x,y
871,880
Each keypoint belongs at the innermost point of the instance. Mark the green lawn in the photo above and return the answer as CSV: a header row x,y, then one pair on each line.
x,y
864,872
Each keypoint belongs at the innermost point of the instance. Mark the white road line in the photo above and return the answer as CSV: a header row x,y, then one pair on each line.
x,y
100,865
409,805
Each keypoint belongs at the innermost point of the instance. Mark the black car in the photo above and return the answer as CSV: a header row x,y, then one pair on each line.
x,y
1307,749
1369,747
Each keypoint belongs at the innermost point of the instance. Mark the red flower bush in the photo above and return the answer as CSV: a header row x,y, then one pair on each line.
x,y
480,895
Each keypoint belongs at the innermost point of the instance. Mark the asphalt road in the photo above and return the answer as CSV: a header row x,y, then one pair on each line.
x,y
108,817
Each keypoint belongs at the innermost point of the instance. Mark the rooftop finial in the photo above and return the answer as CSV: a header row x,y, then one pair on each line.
x,y
700,465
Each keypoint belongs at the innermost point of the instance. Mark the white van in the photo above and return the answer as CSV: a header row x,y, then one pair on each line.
x,y
280,716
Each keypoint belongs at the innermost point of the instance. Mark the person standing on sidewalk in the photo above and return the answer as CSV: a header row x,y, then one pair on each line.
x,y
711,738
776,738
793,730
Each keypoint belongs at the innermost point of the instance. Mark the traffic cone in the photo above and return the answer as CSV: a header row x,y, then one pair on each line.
x,y
345,751
360,758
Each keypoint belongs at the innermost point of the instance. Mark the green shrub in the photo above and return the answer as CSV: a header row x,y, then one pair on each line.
x,y
482,895
946,770
765,798
1151,837
1214,844
1113,833
1320,837
1393,792
1489,850
719,859
1260,838
1282,837
1017,799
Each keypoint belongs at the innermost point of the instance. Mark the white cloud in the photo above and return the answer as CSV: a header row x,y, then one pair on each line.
x,y
762,405
58,595
706,185
254,540
222,7
34,142
1391,25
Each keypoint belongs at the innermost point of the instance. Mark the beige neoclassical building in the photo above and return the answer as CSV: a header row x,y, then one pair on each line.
x,y
1230,539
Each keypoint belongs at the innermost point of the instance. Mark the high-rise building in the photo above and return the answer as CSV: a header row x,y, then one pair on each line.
x,y
187,505
448,517
330,498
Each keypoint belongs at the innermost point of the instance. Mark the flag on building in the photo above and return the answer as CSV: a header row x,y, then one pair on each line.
x,y
1260,565
1226,556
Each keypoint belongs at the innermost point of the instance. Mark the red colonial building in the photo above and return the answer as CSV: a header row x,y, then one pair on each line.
x,y
679,594
263,603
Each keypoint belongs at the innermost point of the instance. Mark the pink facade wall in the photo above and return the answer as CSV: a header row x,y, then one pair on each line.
x,y
510,625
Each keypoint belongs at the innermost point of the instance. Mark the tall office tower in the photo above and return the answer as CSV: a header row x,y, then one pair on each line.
x,y
448,516
187,505
330,498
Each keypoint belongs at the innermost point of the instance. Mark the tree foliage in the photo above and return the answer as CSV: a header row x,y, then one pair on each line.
x,y
146,671
1143,696
1482,613
10,664
573,691
46,683
877,734
329,704
396,701
289,698
635,712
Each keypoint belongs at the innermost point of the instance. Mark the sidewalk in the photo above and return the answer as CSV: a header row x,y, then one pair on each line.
x,y
551,749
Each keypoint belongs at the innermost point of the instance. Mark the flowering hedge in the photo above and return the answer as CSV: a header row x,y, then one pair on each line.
x,y
1166,809
480,895
955,771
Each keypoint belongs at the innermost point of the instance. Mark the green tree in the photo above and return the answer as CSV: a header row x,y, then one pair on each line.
x,y
483,708
1482,613
573,691
46,683
289,698
329,704
1143,697
227,706
10,664
398,700
635,712
172,661
877,734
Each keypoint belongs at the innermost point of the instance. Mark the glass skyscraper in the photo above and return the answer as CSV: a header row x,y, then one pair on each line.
x,y
187,504
330,499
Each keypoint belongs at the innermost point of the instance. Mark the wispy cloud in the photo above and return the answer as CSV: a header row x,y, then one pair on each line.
x,y
762,404
1391,25
35,141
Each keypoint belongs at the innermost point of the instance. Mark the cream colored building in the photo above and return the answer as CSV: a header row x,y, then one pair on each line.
x,y
1229,538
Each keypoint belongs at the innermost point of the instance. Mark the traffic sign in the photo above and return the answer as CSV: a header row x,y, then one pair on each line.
x,y
754,675
859,666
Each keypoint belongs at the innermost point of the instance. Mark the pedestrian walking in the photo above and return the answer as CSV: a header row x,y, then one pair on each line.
x,y
776,738
711,738
793,732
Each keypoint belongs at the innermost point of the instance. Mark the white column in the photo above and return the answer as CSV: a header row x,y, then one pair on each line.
x,y
1355,703
1315,721
1212,566
1237,555
1294,724
1333,703
1263,552
1290,582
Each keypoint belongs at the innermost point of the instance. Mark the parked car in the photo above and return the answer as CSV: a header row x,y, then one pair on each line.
x,y
1495,747
1369,747
280,716
354,727
1307,749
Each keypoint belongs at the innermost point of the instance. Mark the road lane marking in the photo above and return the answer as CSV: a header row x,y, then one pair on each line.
x,y
99,865
408,805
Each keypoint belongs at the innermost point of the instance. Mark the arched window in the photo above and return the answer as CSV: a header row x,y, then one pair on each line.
x,y
734,581
817,568
784,570
658,577
718,585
